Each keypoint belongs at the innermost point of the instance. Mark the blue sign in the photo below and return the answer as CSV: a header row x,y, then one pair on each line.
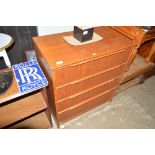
x,y
29,76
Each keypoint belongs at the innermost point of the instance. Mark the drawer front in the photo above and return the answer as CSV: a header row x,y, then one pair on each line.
x,y
87,68
77,99
77,87
84,107
20,109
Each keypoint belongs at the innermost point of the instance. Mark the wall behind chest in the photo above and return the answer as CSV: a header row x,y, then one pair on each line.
x,y
46,30
23,41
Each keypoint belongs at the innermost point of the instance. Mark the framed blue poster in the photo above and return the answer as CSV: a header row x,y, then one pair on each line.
x,y
29,76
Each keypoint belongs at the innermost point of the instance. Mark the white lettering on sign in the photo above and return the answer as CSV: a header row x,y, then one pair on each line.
x,y
25,64
28,72
29,76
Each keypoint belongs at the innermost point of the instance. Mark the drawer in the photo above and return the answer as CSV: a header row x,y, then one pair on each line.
x,y
76,87
87,68
84,107
20,109
81,97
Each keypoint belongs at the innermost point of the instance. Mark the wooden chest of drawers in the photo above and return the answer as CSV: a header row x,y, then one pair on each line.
x,y
82,77
144,36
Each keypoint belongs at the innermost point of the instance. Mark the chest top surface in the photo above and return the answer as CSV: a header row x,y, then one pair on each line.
x,y
58,53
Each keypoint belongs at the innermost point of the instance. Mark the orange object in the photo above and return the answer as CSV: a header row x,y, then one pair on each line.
x,y
80,80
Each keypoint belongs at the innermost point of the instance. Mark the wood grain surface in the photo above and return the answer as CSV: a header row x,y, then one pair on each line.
x,y
82,77
20,109
38,121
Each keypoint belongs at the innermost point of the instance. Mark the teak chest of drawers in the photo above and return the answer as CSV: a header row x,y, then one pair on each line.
x,y
82,77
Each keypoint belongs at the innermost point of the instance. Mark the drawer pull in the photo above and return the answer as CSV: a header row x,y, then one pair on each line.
x,y
92,98
116,67
75,82
80,63
87,91
83,62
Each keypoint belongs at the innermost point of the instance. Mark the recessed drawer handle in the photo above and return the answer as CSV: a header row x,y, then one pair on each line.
x,y
71,97
83,62
80,63
72,83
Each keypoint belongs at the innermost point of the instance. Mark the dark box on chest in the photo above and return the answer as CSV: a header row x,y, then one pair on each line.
x,y
83,33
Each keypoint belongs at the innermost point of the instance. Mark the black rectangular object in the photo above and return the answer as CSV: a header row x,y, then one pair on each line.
x,y
83,34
